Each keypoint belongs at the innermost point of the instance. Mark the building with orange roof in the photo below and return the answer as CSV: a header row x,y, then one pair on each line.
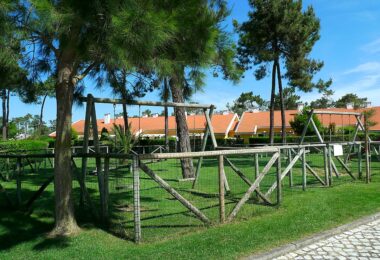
x,y
154,126
257,122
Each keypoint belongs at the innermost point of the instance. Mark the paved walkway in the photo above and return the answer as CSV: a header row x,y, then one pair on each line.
x,y
362,242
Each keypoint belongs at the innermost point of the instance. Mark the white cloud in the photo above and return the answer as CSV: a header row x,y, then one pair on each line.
x,y
372,47
363,80
368,67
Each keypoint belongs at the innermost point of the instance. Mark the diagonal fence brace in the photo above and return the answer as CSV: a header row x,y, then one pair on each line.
x,y
253,187
174,193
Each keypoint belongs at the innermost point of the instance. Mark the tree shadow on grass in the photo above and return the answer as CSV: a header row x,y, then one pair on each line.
x,y
52,243
17,228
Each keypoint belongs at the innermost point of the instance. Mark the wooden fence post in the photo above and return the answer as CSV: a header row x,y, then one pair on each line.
x,y
221,189
304,170
106,187
136,199
257,169
329,162
18,181
360,164
326,165
278,179
291,170
367,150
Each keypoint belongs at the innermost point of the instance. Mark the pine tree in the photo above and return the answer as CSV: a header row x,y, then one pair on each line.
x,y
281,33
12,76
75,39
198,43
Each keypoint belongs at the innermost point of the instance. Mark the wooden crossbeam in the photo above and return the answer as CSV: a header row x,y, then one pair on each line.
x,y
285,172
253,187
324,112
174,193
145,103
247,181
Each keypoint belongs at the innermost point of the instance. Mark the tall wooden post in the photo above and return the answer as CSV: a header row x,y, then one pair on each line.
x,y
99,170
221,189
204,144
136,199
86,133
278,179
304,170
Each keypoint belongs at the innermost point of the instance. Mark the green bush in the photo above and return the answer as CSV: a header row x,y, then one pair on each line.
x,y
45,138
300,120
23,146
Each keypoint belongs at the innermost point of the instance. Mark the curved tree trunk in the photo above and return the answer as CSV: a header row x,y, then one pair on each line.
x,y
182,128
4,107
65,223
273,92
283,119
41,115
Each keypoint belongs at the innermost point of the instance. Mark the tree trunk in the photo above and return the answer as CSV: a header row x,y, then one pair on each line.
x,y
65,223
182,128
273,92
166,113
7,120
125,118
282,106
166,128
41,115
4,102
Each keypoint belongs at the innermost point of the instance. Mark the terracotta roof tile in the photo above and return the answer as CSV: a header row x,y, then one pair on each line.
x,y
220,123
249,120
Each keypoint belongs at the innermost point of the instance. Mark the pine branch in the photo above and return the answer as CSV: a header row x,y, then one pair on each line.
x,y
85,72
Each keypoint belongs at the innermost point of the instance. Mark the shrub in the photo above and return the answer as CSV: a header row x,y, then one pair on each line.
x,y
74,135
300,120
23,146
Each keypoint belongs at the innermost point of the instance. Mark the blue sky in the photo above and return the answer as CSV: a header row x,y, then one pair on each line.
x,y
349,47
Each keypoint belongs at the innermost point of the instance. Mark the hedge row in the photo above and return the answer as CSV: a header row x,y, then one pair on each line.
x,y
23,146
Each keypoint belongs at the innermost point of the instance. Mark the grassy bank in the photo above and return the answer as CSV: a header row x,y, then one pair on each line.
x,y
172,233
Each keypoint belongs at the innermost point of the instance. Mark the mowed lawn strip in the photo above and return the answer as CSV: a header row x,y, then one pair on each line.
x,y
301,214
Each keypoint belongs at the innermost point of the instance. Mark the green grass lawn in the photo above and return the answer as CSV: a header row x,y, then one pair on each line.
x,y
170,231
